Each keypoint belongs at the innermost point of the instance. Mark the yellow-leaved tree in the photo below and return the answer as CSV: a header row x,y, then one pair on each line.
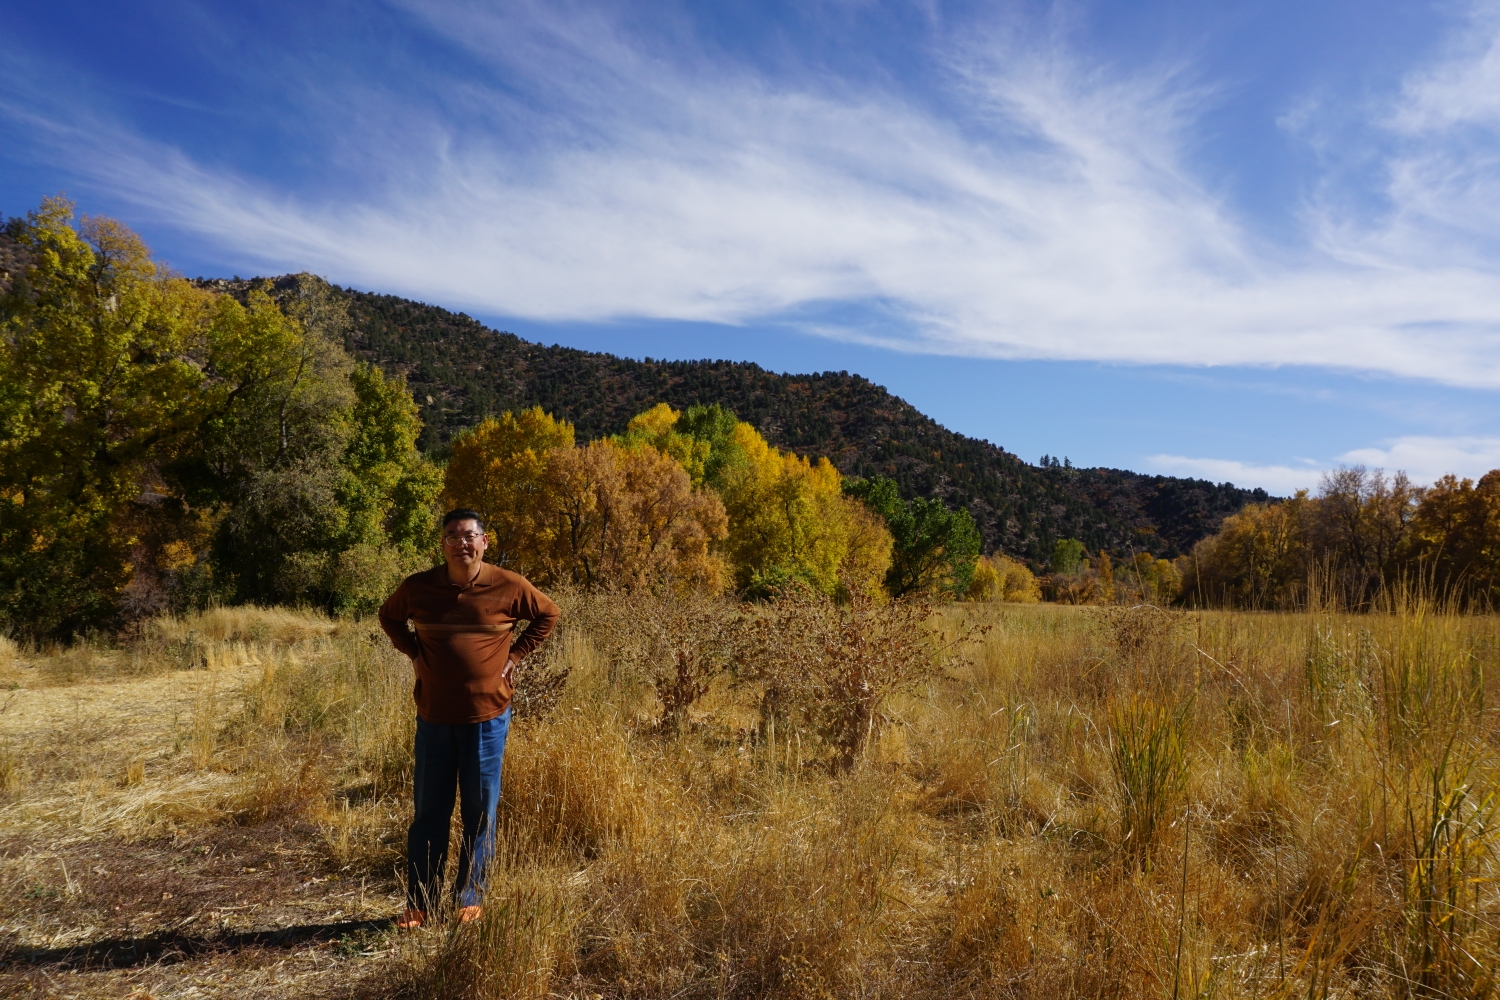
x,y
1001,578
1260,558
616,514
788,516
499,468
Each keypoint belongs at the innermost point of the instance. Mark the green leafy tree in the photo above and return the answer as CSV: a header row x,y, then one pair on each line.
x,y
109,367
379,526
936,549
162,442
714,426
1068,556
328,500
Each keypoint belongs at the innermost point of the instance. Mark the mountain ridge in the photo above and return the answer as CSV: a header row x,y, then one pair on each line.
x,y
460,371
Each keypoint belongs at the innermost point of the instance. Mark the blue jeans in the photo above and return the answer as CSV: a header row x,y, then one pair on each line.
x,y
463,758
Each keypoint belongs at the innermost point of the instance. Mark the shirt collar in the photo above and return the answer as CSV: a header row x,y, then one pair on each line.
x,y
484,575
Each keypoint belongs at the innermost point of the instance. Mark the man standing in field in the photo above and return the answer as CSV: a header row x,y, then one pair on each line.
x,y
463,613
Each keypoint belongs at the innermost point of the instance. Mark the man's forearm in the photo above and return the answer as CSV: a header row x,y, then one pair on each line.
x,y
537,631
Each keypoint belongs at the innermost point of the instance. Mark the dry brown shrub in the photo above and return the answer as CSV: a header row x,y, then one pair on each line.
x,y
834,665
690,641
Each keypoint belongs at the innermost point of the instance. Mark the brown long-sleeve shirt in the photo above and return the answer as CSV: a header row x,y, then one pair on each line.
x,y
463,638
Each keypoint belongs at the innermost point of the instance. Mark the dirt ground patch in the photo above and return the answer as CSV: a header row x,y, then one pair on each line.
x,y
125,871
209,912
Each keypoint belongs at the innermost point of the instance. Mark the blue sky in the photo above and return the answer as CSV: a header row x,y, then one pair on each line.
x,y
1241,240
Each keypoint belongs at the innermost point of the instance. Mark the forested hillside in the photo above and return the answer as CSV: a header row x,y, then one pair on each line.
x,y
460,371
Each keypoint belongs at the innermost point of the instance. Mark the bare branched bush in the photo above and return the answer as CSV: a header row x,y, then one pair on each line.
x,y
690,641
835,664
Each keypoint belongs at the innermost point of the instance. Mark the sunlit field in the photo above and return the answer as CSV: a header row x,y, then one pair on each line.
x,y
1045,801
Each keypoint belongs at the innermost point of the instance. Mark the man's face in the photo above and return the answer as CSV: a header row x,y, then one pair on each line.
x,y
464,541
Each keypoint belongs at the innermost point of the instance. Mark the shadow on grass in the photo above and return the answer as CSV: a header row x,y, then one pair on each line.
x,y
124,953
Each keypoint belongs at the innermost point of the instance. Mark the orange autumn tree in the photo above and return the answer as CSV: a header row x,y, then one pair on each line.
x,y
629,518
1455,542
610,514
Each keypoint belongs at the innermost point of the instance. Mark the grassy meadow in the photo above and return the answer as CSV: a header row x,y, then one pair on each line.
x,y
1074,802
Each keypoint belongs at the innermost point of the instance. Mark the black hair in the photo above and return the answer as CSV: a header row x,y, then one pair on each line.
x,y
463,514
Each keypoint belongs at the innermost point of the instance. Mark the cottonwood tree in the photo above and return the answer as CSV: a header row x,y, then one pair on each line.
x,y
153,433
1456,538
790,522
105,371
608,515
935,548
499,468
629,518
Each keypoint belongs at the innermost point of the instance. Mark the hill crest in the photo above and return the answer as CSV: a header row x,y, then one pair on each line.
x,y
460,371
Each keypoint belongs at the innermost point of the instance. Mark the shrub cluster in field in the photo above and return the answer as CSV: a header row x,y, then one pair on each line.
x,y
1117,802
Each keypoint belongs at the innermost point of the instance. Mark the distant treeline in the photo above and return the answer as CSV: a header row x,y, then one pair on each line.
x,y
1362,542
1361,538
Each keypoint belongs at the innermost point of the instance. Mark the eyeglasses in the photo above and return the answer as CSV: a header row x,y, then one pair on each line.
x,y
467,536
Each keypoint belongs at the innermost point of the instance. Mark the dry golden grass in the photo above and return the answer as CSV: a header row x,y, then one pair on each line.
x,y
1095,803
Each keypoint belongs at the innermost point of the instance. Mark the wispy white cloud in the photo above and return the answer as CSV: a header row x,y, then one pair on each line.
x,y
1050,210
1463,87
1425,459
1441,164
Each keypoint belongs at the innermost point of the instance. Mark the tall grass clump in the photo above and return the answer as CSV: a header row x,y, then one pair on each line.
x,y
1148,748
1450,818
516,951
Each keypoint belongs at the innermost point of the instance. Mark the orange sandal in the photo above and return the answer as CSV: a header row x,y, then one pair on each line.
x,y
412,919
468,913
